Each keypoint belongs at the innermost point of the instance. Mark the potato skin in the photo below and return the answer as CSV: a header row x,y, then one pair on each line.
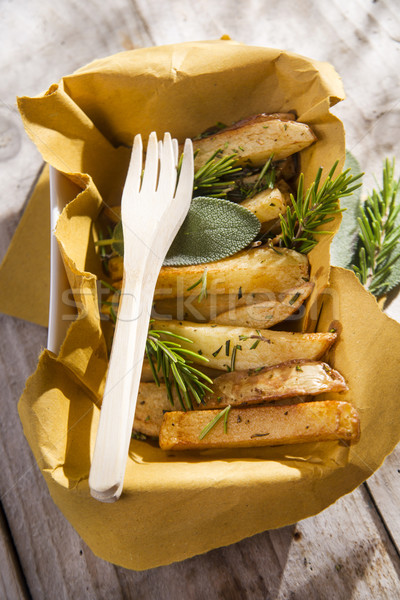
x,y
217,342
262,426
253,140
293,378
259,269
267,312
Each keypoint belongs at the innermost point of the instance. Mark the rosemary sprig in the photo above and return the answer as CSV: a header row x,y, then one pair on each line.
x,y
169,358
379,233
212,179
264,181
314,208
203,281
223,414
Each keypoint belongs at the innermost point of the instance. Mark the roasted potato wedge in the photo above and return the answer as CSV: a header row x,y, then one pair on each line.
x,y
267,205
253,140
262,269
294,378
218,342
269,312
190,309
262,426
153,402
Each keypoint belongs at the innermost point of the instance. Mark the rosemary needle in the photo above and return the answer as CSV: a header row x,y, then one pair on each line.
x,y
223,414
379,236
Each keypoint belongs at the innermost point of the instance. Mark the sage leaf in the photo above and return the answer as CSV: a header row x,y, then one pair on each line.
x,y
213,229
344,245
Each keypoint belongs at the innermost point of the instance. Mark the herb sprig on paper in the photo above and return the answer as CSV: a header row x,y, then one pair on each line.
x,y
370,243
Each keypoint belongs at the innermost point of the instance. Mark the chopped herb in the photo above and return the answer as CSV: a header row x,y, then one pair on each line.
x,y
298,368
223,414
136,435
200,352
113,315
239,419
240,293
217,351
203,281
233,359
333,330
256,435
147,418
219,399
243,338
254,346
227,347
294,298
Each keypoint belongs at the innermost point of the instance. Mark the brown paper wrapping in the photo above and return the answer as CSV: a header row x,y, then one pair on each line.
x,y
178,505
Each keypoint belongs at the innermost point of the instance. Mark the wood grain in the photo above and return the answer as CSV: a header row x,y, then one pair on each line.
x,y
351,549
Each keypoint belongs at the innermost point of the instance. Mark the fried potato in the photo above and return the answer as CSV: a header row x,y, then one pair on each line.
x,y
218,342
249,310
151,404
262,426
266,313
267,205
294,378
253,140
262,269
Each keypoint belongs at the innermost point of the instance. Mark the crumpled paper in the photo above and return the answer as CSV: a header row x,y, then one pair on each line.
x,y
176,505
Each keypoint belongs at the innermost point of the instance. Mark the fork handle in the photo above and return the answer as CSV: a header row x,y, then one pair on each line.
x,y
120,394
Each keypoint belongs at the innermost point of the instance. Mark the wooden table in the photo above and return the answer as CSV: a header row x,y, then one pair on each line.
x,y
351,550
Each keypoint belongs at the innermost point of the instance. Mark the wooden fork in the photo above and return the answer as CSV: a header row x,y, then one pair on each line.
x,y
153,208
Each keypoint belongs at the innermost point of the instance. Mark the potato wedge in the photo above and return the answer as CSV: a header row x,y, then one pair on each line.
x,y
294,378
253,140
262,269
269,312
153,402
190,309
262,426
217,343
267,205
249,310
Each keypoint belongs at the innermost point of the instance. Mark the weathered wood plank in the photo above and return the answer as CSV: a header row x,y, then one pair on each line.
x,y
12,582
384,486
342,553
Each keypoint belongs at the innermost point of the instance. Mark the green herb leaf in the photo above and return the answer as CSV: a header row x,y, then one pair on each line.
x,y
224,413
314,208
344,243
168,356
378,261
213,229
